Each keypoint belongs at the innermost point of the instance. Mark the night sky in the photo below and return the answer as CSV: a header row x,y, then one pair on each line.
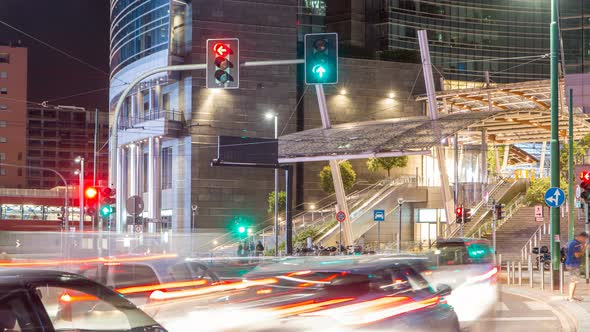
x,y
78,27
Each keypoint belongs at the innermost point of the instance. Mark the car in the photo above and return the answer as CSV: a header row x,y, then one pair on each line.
x,y
468,266
138,278
33,300
315,293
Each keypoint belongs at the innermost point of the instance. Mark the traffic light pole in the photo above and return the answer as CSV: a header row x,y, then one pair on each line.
x,y
555,227
462,220
81,193
586,221
494,218
570,170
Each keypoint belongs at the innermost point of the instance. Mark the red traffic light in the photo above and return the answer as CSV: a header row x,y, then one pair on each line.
x,y
585,175
90,192
222,49
459,211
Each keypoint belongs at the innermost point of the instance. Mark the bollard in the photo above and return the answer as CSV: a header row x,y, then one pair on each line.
x,y
542,269
530,272
508,273
519,274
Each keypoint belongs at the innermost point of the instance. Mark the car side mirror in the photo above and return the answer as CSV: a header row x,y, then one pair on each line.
x,y
444,289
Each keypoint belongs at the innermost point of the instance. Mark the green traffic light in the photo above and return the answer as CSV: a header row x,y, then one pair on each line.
x,y
319,70
241,229
106,210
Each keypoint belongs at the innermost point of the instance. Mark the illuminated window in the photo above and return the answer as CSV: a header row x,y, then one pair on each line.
x,y
3,91
4,58
2,156
3,74
2,124
2,171
3,107
3,139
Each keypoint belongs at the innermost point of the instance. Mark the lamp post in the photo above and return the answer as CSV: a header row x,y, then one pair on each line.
x,y
80,160
400,202
555,241
271,115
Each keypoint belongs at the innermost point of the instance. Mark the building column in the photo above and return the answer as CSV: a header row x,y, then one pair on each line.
x,y
151,99
139,169
506,153
484,158
154,178
120,212
132,112
133,176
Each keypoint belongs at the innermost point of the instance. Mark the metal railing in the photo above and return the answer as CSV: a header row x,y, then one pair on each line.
x,y
511,208
534,241
153,114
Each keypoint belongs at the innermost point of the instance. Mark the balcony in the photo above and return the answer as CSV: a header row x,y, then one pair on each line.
x,y
165,123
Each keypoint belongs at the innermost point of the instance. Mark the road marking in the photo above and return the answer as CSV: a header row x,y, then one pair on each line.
x,y
535,305
515,319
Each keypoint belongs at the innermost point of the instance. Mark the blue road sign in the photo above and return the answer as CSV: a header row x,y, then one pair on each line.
x,y
379,215
554,197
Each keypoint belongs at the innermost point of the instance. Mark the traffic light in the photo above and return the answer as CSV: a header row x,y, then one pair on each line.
x,y
223,63
90,200
459,214
321,58
241,229
107,199
466,215
585,186
499,211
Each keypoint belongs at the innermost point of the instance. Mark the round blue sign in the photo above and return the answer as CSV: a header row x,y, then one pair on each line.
x,y
554,197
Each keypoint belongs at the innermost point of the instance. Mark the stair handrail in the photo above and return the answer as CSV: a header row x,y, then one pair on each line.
x,y
534,240
511,208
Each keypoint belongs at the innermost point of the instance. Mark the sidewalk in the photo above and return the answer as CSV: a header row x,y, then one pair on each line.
x,y
574,316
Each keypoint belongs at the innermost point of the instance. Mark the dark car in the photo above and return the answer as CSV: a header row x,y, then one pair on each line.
x,y
33,300
319,293
138,279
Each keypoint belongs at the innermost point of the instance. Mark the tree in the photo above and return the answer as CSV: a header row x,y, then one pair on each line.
x,y
536,193
348,177
282,201
580,149
387,163
492,158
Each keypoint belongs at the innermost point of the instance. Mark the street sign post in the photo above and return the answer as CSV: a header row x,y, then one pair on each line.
x,y
340,217
378,216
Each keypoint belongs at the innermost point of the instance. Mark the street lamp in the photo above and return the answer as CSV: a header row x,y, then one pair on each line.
x,y
400,202
80,160
269,116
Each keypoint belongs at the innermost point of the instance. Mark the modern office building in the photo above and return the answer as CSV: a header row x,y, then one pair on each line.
x,y
169,123
508,39
56,136
13,115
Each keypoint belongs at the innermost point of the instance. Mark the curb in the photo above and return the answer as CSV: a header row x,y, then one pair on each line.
x,y
572,316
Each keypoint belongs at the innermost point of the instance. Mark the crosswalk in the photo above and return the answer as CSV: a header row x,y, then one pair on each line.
x,y
525,305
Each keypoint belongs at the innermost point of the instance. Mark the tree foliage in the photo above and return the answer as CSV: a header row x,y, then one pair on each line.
x,y
387,163
580,149
536,193
282,201
492,158
348,177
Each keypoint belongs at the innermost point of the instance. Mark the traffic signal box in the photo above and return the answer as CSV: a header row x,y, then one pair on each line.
x,y
463,215
585,187
321,58
107,200
499,211
90,200
223,63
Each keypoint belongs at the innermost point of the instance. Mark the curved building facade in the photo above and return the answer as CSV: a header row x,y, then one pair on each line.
x,y
138,29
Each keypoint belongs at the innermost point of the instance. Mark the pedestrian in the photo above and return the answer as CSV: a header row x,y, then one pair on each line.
x,y
246,249
252,248
575,250
259,248
240,250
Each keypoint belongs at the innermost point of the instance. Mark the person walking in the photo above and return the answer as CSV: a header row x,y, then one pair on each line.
x,y
259,249
575,250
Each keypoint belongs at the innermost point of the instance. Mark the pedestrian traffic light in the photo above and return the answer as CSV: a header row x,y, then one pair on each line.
x,y
585,186
459,214
321,58
223,63
499,211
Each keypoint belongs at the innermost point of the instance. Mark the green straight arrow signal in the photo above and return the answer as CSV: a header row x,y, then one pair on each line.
x,y
318,69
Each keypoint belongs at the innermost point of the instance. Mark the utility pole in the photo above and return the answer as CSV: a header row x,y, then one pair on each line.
x,y
81,192
555,240
95,146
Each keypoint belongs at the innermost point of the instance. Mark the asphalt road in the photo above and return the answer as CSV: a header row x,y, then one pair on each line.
x,y
518,313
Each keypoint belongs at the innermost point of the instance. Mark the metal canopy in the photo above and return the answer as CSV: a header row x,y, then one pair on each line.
x,y
360,140
509,113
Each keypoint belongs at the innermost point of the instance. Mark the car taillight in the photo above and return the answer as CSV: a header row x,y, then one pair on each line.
x,y
490,275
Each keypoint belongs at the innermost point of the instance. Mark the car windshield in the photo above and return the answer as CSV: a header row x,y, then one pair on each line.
x,y
459,253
